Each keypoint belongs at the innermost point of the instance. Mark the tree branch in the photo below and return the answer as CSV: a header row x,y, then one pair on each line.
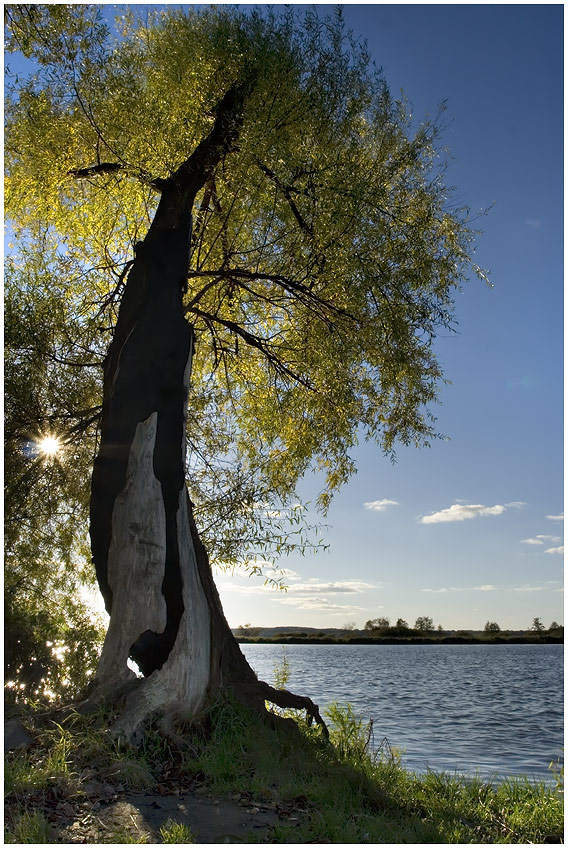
x,y
253,341
302,292
156,183
99,168
304,225
197,169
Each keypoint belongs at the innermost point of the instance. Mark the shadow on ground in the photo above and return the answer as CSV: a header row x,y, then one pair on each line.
x,y
141,815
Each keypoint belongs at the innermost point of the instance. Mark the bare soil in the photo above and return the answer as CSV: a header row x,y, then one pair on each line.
x,y
141,815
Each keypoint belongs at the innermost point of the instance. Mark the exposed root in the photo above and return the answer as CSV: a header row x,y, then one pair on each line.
x,y
174,720
138,704
286,699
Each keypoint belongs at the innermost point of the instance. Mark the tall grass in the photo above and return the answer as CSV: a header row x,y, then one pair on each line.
x,y
353,793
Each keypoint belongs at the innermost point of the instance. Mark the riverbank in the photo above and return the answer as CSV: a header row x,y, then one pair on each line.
x,y
328,639
237,780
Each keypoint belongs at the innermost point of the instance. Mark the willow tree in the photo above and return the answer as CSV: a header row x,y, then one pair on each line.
x,y
272,244
50,636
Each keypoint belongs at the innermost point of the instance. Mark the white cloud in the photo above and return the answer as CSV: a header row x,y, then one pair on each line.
x,y
311,587
558,550
245,569
539,539
281,574
483,588
518,504
314,585
533,223
248,589
320,603
380,505
460,512
558,518
527,588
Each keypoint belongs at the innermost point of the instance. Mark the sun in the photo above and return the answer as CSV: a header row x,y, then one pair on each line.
x,y
49,446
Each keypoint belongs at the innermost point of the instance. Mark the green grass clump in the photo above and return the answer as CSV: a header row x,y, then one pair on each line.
x,y
176,832
28,827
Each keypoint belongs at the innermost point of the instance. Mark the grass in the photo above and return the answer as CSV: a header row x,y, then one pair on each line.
x,y
342,791
176,832
28,827
351,794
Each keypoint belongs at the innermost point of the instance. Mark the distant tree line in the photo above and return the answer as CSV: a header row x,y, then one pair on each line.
x,y
382,627
424,625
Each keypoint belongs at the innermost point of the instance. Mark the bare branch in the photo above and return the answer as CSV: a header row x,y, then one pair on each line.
x,y
286,191
304,294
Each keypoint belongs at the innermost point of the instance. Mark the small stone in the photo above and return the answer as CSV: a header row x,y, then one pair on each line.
x,y
16,736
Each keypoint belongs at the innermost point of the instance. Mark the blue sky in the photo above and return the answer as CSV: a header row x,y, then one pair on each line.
x,y
470,529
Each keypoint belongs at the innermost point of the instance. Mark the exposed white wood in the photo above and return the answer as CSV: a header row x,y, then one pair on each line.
x,y
181,684
137,555
136,570
188,666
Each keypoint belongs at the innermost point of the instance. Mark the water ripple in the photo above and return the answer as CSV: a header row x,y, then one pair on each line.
x,y
487,710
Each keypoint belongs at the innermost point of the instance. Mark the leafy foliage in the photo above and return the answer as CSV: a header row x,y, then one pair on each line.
x,y
323,255
324,258
51,638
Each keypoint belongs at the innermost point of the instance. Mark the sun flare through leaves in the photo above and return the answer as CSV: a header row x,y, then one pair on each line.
x,y
49,446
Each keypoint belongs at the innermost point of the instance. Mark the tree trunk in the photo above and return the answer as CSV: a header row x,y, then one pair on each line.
x,y
152,569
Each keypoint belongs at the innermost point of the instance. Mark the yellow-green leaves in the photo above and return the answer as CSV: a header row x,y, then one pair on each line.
x,y
323,257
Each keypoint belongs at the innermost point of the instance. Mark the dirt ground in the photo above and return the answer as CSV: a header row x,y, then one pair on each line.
x,y
142,814
104,813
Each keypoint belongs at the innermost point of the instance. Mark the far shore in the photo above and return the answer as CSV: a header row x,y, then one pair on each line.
x,y
327,639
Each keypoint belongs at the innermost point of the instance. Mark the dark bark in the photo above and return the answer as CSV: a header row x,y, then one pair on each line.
x,y
144,373
144,368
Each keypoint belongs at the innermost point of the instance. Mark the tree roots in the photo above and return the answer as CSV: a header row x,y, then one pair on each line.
x,y
286,699
141,707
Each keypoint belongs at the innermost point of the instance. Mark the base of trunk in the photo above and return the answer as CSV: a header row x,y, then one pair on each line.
x,y
204,663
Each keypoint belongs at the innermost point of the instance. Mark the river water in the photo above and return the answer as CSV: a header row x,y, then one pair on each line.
x,y
487,710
